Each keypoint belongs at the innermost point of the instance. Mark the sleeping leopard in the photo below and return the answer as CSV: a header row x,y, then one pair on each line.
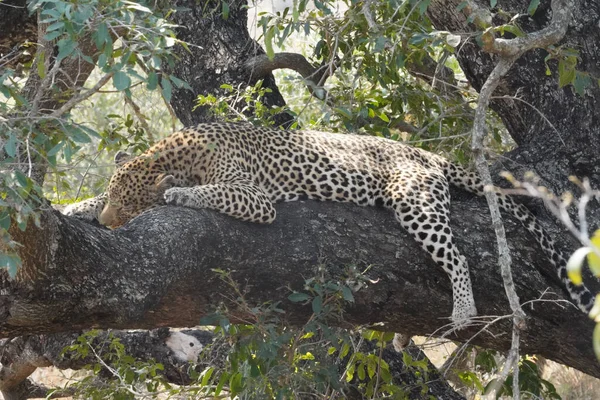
x,y
242,170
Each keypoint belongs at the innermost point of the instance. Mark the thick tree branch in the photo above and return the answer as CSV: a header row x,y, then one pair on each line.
x,y
260,67
551,34
157,271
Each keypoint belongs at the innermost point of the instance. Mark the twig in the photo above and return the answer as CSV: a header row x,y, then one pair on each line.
x,y
81,96
509,50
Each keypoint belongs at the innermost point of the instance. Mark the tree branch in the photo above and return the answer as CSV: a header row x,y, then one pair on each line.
x,y
157,271
509,51
261,66
554,32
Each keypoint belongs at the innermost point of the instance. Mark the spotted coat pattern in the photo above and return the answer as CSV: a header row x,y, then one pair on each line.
x,y
241,170
88,210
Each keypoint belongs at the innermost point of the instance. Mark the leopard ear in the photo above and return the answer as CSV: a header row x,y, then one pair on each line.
x,y
122,157
164,182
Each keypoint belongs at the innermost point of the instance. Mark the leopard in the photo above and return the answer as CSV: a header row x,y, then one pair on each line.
x,y
90,209
242,170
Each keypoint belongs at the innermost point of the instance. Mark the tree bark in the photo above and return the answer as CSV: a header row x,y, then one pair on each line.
x,y
570,145
221,48
157,271
16,28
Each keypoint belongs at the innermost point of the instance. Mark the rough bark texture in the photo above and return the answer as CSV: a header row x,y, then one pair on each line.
x,y
157,271
222,46
16,28
571,149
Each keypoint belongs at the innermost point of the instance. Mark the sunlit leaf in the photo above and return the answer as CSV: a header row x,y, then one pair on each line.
x,y
596,340
593,258
533,5
269,34
574,265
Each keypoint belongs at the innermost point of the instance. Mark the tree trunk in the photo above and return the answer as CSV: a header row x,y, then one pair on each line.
x,y
221,47
556,130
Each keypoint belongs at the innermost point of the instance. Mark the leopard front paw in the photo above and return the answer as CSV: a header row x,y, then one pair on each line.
x,y
181,196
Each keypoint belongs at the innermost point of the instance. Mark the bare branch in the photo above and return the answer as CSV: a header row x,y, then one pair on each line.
x,y
81,96
510,50
553,33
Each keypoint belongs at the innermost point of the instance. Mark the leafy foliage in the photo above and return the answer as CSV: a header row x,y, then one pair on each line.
x,y
265,357
380,82
38,131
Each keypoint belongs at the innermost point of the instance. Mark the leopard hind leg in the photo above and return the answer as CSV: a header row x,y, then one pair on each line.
x,y
421,202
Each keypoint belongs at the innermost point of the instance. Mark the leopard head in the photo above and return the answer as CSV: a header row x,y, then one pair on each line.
x,y
136,186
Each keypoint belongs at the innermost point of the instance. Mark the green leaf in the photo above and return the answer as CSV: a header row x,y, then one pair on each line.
x,y
65,48
380,44
55,26
350,372
317,305
269,34
423,5
515,30
235,383
53,151
11,262
224,377
167,89
581,81
225,10
11,146
206,374
78,135
4,220
493,3
178,82
23,180
347,294
344,111
152,82
533,5
592,258
361,372
102,60
566,73
52,35
121,80
298,297
596,340
101,35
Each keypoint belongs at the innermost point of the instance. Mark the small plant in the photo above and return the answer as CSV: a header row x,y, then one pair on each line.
x,y
241,105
